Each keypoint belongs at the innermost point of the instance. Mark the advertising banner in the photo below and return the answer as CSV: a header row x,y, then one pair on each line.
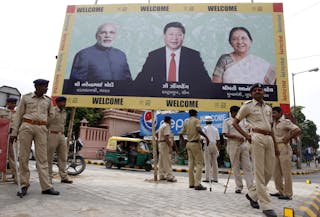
x,y
177,121
171,56
4,129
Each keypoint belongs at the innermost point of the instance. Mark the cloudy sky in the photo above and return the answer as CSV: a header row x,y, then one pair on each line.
x,y
31,32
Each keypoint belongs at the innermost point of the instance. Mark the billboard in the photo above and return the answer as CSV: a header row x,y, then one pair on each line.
x,y
124,56
177,121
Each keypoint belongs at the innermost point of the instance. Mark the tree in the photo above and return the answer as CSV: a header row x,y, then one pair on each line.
x,y
309,136
92,115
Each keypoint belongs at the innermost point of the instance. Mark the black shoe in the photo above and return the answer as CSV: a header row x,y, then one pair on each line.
x,y
191,186
238,191
205,180
275,194
270,213
284,198
68,181
200,187
51,191
24,191
253,203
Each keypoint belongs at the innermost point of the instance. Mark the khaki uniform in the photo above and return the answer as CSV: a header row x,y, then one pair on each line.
x,y
57,142
259,117
30,122
9,114
165,166
282,166
195,157
211,153
239,155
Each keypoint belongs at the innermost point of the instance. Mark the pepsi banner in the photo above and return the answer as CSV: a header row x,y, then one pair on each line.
x,y
177,121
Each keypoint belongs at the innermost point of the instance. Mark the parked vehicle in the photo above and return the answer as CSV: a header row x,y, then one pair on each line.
x,y
75,162
127,152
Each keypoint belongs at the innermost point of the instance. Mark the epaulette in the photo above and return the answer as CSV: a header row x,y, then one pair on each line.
x,y
29,93
247,102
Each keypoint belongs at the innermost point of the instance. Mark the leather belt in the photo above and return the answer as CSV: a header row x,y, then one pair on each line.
x,y
263,132
29,121
55,132
195,141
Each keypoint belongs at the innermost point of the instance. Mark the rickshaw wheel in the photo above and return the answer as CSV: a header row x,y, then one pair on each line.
x,y
109,164
148,167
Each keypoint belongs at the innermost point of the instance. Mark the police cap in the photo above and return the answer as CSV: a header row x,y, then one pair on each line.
x,y
12,99
256,85
40,82
60,98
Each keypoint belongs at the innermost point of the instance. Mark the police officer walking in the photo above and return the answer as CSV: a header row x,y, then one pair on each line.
x,y
284,130
211,151
9,112
193,130
30,124
56,139
259,118
165,149
238,151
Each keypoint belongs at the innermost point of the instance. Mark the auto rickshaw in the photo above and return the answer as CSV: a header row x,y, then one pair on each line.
x,y
127,152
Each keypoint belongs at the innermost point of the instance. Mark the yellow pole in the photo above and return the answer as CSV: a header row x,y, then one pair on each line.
x,y
154,148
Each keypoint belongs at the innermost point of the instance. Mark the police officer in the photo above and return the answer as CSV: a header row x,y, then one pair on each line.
x,y
284,130
8,112
56,139
238,151
30,124
211,151
193,130
259,118
165,137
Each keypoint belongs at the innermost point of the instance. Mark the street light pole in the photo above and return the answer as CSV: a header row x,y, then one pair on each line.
x,y
299,145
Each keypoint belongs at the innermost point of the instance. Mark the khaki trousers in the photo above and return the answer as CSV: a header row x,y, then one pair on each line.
x,y
27,133
165,166
282,170
195,159
57,143
263,155
240,158
210,161
11,160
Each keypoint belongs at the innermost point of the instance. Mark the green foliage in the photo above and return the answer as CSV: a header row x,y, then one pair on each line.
x,y
309,136
92,115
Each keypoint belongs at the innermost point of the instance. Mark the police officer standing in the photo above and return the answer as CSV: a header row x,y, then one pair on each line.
x,y
9,112
30,124
211,151
193,130
259,118
238,151
165,149
56,139
284,130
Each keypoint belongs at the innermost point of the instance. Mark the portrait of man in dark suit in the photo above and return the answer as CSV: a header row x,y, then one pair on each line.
x,y
173,63
101,62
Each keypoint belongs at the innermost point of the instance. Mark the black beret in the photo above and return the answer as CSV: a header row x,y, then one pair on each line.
x,y
60,98
40,82
193,112
12,99
256,85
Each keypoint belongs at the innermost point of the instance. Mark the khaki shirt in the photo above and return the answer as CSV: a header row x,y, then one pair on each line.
x,y
190,128
7,114
57,120
227,127
163,131
31,107
282,128
257,116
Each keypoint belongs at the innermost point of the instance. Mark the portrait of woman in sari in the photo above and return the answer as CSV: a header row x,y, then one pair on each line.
x,y
240,67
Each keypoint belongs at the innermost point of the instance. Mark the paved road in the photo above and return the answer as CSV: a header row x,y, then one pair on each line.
x,y
111,192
